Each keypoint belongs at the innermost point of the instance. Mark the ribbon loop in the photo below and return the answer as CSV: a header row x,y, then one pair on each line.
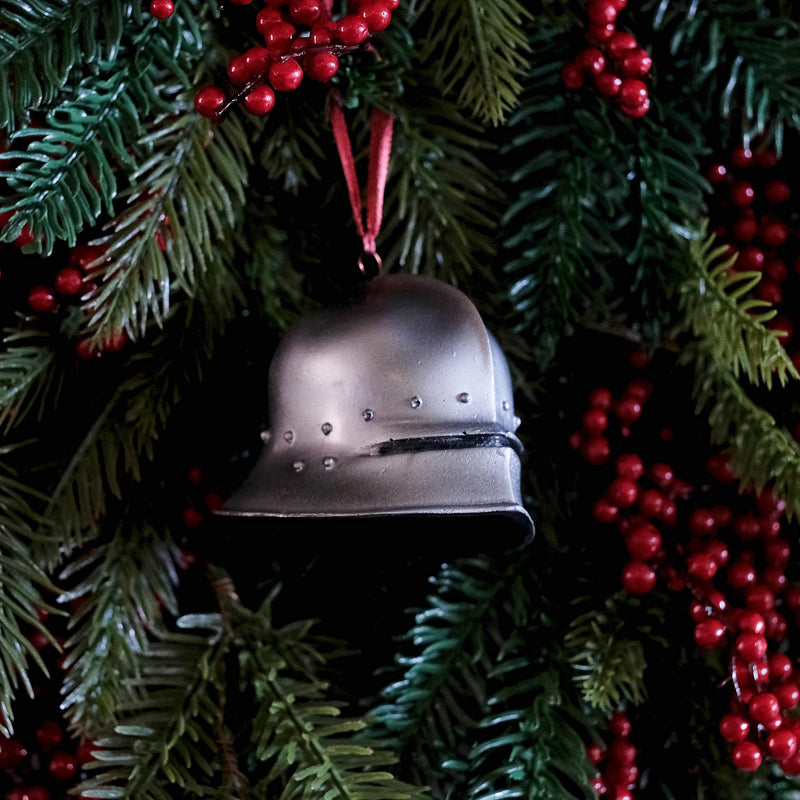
x,y
380,146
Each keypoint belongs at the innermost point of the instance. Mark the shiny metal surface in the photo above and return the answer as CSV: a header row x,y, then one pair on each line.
x,y
400,403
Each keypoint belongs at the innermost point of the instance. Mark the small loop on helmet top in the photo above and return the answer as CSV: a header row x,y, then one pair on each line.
x,y
370,264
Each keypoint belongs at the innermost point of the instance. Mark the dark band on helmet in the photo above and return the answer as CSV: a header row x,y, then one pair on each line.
x,y
459,441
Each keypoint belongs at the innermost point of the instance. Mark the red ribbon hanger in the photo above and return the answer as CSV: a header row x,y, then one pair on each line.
x,y
380,146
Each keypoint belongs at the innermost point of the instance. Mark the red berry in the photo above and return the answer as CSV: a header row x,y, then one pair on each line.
x,y
214,501
746,756
305,12
629,466
769,503
760,598
114,341
702,522
742,193
285,76
621,751
632,92
717,173
751,258
571,76
699,612
638,578
709,633
266,18
734,728
635,63
622,492
604,511
742,156
321,66
651,503
781,744
718,550
619,724
774,233
352,30
594,421
279,37
637,110
68,281
63,766
628,409
662,474
702,565
41,299
788,695
766,159
260,101
599,34
596,450
601,398
191,517
780,667
747,527
209,101
669,512
161,9
751,646
601,12
764,707
745,228
619,42
777,192
11,753
643,541
769,292
377,15
49,734
84,751
595,753
86,349
741,574
776,270
591,61
751,621
607,84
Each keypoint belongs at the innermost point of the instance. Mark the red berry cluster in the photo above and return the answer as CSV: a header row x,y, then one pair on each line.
x,y
729,556
755,208
617,773
614,61
69,284
201,501
301,38
25,237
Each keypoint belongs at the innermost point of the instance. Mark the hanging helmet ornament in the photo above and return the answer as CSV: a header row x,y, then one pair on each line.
x,y
399,403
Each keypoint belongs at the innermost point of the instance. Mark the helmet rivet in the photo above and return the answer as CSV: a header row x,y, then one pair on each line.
x,y
506,405
299,466
329,462
289,437
368,415
416,402
326,428
464,397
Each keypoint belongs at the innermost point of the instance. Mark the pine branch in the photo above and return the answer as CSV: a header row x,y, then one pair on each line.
x,y
30,380
304,745
608,663
531,745
442,695
761,452
42,41
22,583
163,742
185,201
66,175
121,586
719,310
123,434
443,202
742,57
478,48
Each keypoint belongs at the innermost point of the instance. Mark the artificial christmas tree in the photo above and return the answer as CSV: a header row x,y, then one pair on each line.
x,y
613,185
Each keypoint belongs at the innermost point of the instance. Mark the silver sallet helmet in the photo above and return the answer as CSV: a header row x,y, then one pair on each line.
x,y
397,404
